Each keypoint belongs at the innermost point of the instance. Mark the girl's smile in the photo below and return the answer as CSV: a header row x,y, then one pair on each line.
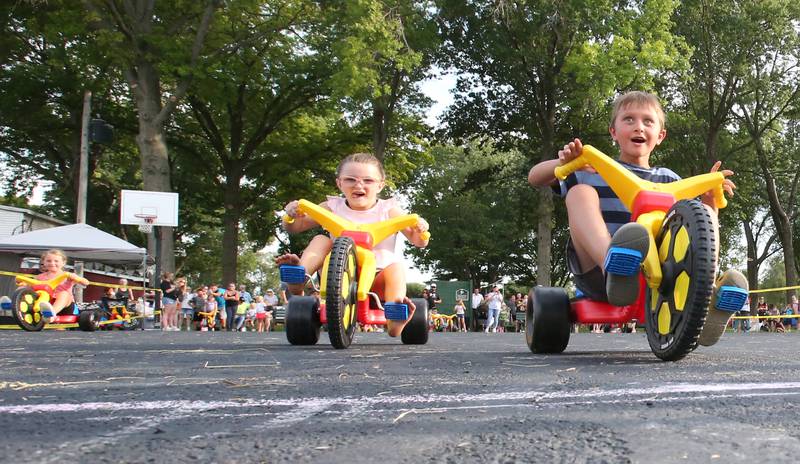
x,y
360,183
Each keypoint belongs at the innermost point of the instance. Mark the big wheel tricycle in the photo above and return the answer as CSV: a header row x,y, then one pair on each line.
x,y
347,295
678,271
32,292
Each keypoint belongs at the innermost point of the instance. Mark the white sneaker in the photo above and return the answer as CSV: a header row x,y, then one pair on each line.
x,y
494,330
486,330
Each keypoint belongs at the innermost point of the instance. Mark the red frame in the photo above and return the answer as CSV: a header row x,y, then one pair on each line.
x,y
365,314
586,311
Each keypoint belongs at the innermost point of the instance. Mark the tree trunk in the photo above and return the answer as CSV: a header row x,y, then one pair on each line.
x,y
752,262
153,152
780,218
230,231
380,131
544,228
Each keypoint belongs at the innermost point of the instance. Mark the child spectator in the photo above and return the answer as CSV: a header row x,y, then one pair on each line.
x,y
261,313
599,224
460,311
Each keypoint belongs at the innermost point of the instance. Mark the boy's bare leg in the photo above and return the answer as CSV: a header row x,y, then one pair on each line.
x,y
393,279
312,259
587,229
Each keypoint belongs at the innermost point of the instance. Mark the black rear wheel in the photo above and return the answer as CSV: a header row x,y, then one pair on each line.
x,y
302,320
547,320
340,292
26,315
416,331
89,320
677,309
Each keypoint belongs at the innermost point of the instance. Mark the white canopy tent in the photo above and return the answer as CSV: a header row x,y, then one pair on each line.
x,y
81,242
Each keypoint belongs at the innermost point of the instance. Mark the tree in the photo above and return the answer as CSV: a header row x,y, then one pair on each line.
x,y
49,60
535,72
770,91
475,202
158,48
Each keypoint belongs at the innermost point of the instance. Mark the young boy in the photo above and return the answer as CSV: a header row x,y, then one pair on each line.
x,y
598,220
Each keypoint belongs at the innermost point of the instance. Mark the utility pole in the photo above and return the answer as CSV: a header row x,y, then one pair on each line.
x,y
83,181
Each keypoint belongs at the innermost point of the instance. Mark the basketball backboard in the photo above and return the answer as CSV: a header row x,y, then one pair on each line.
x,y
136,205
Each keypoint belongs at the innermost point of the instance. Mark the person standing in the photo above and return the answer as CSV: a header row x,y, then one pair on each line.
x,y
243,293
231,297
460,310
168,299
271,301
475,303
494,300
433,298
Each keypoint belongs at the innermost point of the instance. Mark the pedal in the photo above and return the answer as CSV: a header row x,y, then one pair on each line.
x,y
292,274
731,298
622,261
395,311
5,306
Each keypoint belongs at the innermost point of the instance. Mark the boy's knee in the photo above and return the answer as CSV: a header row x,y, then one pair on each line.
x,y
581,192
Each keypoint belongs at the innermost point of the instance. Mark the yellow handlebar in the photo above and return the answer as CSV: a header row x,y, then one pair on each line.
x,y
32,280
627,185
564,170
336,224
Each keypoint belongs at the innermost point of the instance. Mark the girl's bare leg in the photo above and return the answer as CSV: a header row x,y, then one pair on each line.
x,y
312,259
393,281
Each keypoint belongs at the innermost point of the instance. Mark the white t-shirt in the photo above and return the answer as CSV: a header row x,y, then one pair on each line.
x,y
494,300
477,299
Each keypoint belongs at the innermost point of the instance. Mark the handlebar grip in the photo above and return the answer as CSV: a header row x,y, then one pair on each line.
x,y
561,172
426,236
719,197
288,219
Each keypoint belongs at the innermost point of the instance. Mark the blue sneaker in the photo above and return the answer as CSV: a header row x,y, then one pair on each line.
x,y
46,309
628,248
292,274
395,311
730,295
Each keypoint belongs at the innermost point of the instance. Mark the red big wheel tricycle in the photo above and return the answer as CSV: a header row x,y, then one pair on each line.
x,y
678,271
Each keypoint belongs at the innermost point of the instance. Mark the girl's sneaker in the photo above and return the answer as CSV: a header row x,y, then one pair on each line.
x,y
46,309
730,295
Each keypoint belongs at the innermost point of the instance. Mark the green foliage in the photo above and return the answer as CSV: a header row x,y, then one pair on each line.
x,y
478,203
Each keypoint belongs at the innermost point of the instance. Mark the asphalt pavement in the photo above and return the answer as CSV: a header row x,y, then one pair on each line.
x,y
152,397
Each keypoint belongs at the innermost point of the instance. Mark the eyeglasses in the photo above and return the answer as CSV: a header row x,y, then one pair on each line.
x,y
349,181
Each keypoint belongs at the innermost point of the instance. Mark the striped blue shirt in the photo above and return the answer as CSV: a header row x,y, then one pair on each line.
x,y
614,212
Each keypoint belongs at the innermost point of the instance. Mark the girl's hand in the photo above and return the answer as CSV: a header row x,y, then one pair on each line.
x,y
291,209
421,227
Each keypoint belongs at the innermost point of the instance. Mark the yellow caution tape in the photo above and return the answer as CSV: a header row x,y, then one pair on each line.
x,y
765,290
96,284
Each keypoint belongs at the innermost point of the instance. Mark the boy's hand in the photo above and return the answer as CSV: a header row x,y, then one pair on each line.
x,y
421,227
727,185
571,151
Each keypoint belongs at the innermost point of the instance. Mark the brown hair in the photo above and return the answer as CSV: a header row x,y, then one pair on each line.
x,y
54,251
366,158
638,98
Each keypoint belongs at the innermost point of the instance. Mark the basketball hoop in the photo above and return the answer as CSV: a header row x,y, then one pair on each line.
x,y
147,226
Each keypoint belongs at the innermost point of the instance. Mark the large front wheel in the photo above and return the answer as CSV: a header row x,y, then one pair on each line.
x,y
687,250
24,309
341,292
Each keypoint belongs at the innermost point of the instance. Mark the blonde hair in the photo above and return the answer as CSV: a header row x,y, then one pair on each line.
x,y
53,251
638,98
366,158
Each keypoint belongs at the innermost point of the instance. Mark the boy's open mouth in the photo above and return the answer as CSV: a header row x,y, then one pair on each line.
x,y
638,140
359,194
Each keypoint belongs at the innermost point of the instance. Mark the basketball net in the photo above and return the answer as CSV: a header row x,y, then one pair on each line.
x,y
147,226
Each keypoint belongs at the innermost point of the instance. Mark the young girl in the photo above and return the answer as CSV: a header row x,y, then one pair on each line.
x,y
460,310
52,265
360,177
261,313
